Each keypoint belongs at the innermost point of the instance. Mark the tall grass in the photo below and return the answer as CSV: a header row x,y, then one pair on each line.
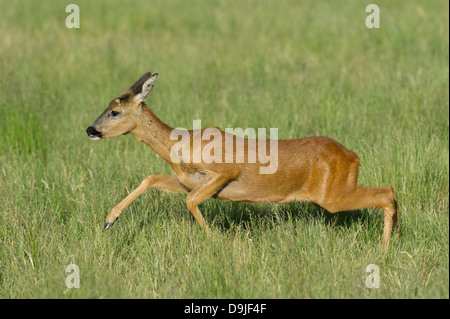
x,y
306,67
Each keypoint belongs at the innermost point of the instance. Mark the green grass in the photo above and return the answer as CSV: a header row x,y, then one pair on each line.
x,y
306,67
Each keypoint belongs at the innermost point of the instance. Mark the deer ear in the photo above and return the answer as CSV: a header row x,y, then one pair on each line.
x,y
144,86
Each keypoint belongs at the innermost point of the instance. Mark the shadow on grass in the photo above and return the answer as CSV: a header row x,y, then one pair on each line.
x,y
226,215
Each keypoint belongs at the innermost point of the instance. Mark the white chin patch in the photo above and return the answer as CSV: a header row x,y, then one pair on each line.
x,y
94,138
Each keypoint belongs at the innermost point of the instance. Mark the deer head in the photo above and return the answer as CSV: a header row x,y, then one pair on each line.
x,y
122,114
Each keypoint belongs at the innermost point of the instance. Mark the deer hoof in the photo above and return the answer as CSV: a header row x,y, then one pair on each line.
x,y
107,225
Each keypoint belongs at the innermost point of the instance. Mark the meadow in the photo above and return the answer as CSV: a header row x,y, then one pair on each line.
x,y
308,68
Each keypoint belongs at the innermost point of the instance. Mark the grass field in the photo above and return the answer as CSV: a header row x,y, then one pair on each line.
x,y
308,68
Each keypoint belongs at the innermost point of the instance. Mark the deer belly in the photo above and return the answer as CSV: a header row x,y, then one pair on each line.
x,y
238,192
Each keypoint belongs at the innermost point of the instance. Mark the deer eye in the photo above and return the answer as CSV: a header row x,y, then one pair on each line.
x,y
114,113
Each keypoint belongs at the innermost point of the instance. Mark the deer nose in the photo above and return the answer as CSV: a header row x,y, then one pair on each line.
x,y
93,133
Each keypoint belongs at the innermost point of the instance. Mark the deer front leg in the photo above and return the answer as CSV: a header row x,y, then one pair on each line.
x,y
209,185
165,182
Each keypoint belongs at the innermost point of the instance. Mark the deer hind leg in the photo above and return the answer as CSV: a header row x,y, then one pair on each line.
x,y
362,197
165,182
209,185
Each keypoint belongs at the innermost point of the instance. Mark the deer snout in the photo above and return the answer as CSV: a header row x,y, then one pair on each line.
x,y
93,133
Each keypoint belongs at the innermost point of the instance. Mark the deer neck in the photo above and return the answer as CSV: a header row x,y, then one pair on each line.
x,y
154,132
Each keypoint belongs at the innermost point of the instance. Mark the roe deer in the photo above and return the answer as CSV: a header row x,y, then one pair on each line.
x,y
315,169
